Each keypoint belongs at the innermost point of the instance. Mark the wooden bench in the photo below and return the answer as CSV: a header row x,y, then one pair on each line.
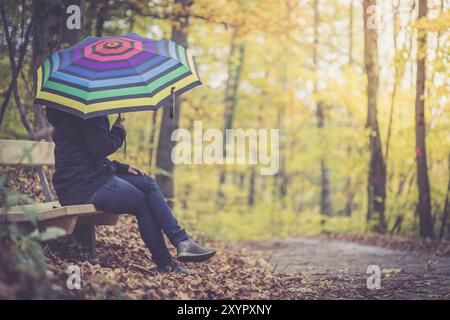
x,y
79,220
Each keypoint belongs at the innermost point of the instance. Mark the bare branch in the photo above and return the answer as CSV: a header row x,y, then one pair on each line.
x,y
15,72
22,52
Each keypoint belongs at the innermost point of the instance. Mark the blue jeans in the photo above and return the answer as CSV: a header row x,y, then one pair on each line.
x,y
140,196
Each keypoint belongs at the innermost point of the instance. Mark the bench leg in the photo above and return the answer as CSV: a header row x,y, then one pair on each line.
x,y
85,234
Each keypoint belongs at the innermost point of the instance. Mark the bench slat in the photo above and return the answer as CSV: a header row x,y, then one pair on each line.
x,y
66,217
49,210
26,152
39,207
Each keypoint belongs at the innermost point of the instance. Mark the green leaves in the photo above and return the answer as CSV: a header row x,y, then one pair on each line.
x,y
24,246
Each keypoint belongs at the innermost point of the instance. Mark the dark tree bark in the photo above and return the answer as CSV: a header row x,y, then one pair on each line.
x,y
252,192
444,224
47,33
281,177
350,194
164,164
235,62
283,180
251,187
232,85
376,185
396,80
348,190
100,17
16,67
151,150
229,108
424,205
325,191
50,33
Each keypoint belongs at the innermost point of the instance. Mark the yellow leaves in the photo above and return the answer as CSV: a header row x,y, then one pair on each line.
x,y
390,272
439,24
249,17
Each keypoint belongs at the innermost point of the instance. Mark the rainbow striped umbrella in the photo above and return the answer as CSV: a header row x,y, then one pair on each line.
x,y
106,75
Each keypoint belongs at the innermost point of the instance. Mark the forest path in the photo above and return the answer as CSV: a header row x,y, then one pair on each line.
x,y
342,266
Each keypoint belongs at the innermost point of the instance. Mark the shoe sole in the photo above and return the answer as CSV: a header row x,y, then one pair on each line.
x,y
196,257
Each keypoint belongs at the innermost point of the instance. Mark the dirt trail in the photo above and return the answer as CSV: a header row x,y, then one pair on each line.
x,y
343,265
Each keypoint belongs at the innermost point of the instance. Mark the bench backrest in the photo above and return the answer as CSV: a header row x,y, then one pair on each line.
x,y
26,152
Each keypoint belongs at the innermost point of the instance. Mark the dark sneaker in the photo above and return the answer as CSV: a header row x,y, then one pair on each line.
x,y
190,251
173,267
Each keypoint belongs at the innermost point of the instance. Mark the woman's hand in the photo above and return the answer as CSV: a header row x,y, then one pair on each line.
x,y
136,171
120,122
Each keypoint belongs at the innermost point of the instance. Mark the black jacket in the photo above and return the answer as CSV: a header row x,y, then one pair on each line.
x,y
81,148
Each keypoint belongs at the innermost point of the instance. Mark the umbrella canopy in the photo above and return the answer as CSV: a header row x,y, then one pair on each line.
x,y
106,75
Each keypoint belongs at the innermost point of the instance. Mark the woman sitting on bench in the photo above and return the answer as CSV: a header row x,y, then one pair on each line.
x,y
83,174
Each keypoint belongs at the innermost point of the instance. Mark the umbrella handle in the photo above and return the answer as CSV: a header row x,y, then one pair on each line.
x,y
125,155
172,102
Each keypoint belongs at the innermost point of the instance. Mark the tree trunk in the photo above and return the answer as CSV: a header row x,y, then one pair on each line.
x,y
164,164
47,34
446,205
228,112
325,193
251,187
376,185
151,150
16,59
396,80
235,63
349,192
100,18
424,206
350,34
14,54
